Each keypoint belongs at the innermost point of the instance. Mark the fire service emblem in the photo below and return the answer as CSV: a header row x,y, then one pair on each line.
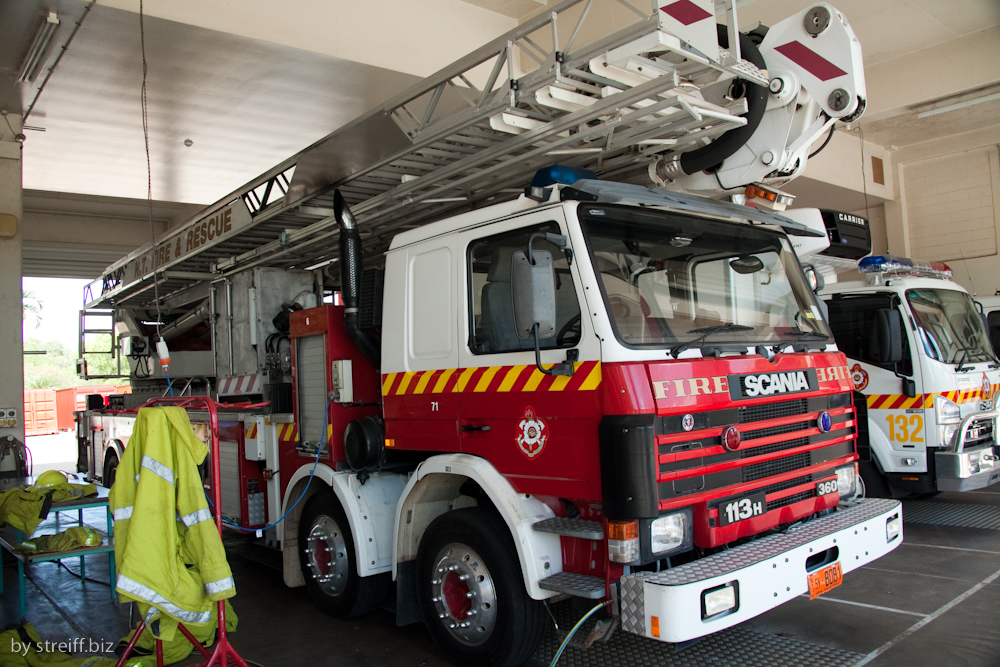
x,y
987,388
859,376
531,435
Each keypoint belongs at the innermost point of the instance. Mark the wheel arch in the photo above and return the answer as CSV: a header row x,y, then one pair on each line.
x,y
435,486
368,508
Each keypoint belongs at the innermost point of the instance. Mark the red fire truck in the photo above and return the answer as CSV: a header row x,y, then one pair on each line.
x,y
585,387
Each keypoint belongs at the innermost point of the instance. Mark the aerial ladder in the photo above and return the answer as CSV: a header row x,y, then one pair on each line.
x,y
659,100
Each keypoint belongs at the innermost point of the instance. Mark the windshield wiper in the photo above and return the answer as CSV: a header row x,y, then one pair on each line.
x,y
814,335
705,333
961,364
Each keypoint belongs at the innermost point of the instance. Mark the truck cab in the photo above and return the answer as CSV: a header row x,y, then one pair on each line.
x,y
921,358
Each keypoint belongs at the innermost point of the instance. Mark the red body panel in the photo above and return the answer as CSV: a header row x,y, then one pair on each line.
x,y
328,321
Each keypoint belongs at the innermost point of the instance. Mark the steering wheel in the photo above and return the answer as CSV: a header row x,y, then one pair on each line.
x,y
572,326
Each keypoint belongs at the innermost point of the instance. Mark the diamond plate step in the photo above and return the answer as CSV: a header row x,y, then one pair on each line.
x,y
588,530
579,585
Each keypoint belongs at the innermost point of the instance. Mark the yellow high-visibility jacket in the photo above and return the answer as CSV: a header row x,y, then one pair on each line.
x,y
27,506
168,552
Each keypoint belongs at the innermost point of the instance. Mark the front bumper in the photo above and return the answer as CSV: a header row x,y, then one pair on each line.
x,y
970,465
966,470
768,572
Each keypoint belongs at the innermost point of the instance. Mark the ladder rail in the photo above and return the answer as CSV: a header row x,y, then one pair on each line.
x,y
453,156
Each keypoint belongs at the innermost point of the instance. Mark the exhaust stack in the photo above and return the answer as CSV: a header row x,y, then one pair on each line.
x,y
350,279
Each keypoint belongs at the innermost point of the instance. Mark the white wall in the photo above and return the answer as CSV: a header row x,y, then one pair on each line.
x,y
11,361
947,208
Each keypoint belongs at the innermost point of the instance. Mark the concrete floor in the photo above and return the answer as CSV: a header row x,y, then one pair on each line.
x,y
931,601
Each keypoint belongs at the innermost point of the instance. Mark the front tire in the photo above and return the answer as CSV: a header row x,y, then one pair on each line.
x,y
876,485
326,551
471,592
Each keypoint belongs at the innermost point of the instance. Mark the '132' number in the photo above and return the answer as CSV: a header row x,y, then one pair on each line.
x,y
903,429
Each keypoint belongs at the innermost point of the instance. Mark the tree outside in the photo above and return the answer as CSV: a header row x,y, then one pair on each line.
x,y
56,369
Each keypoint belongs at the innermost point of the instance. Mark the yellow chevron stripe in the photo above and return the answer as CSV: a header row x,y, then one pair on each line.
x,y
443,381
424,379
511,378
486,378
536,379
410,384
463,379
593,380
387,382
404,383
562,380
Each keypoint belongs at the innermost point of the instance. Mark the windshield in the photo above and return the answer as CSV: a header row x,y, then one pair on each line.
x,y
670,279
949,326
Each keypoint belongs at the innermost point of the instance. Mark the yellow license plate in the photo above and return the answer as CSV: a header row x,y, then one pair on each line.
x,y
823,580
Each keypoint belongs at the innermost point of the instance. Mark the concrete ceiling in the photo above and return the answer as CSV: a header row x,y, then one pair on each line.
x,y
889,29
247,98
244,105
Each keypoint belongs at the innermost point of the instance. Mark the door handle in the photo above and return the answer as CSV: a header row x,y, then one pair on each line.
x,y
469,428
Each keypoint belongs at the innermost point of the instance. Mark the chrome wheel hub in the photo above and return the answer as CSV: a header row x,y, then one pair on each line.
x,y
326,553
463,594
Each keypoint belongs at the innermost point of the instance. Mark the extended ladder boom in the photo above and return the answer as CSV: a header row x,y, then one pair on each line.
x,y
614,105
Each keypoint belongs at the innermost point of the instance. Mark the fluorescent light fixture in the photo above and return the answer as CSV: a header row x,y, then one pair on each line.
x,y
573,151
35,58
321,264
444,200
959,105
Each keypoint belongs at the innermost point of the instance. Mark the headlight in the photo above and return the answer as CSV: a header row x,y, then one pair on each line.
x,y
846,481
947,411
667,533
948,434
893,527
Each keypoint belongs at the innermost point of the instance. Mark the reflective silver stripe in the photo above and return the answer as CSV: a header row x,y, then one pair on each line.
x,y
151,614
137,478
215,587
197,517
123,513
157,468
147,594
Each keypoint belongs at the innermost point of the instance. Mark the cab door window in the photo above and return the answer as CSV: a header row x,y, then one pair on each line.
x,y
852,319
993,323
491,300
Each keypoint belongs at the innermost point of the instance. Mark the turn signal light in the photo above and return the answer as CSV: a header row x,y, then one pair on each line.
x,y
623,541
623,530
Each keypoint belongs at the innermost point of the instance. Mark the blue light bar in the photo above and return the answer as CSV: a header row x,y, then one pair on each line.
x,y
904,265
560,173
882,263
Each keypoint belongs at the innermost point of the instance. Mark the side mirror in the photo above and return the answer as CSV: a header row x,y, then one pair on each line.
x,y
889,333
533,288
813,277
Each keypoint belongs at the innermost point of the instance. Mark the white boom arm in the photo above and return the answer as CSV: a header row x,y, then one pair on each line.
x,y
813,61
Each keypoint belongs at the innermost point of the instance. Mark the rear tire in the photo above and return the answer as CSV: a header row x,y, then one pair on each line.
x,y
327,555
110,470
471,593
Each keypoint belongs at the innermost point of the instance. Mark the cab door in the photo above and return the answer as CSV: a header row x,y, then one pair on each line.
x,y
539,430
895,431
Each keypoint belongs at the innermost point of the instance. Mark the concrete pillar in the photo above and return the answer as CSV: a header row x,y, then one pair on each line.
x,y
12,355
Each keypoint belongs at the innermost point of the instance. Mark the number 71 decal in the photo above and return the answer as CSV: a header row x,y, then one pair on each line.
x,y
905,428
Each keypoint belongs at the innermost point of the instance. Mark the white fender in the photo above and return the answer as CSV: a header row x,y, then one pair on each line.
x,y
370,510
432,490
